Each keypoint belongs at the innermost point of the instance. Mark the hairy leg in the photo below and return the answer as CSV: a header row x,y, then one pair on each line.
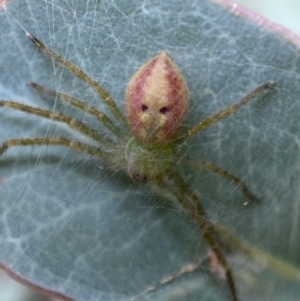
x,y
202,125
73,145
225,174
174,186
82,75
104,119
56,116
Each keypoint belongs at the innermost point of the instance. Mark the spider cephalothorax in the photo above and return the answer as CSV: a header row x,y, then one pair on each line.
x,y
145,162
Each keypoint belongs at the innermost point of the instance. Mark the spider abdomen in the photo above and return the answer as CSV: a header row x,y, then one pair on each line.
x,y
157,100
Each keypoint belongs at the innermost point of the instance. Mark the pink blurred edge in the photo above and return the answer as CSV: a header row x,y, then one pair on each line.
x,y
3,3
239,10
34,286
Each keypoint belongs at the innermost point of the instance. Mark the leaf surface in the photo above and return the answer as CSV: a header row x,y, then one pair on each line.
x,y
73,227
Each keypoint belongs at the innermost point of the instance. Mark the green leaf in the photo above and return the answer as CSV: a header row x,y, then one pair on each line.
x,y
73,227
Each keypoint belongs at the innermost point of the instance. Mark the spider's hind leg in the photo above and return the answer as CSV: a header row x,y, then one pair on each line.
x,y
202,125
103,118
82,75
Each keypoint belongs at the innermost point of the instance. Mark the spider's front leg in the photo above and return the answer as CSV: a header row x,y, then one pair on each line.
x,y
153,168
173,185
205,165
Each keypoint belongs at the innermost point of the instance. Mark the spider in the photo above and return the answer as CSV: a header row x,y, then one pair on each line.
x,y
156,101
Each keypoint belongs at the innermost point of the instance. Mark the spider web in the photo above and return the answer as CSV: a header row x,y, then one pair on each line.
x,y
76,228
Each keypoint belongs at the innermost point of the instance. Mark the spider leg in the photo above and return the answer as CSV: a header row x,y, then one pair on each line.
x,y
56,116
82,75
104,119
191,204
73,145
225,174
202,125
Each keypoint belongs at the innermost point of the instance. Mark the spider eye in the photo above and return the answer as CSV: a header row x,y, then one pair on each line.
x,y
141,178
144,108
164,110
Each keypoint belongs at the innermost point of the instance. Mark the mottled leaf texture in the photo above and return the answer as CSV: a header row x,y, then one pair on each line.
x,y
72,227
